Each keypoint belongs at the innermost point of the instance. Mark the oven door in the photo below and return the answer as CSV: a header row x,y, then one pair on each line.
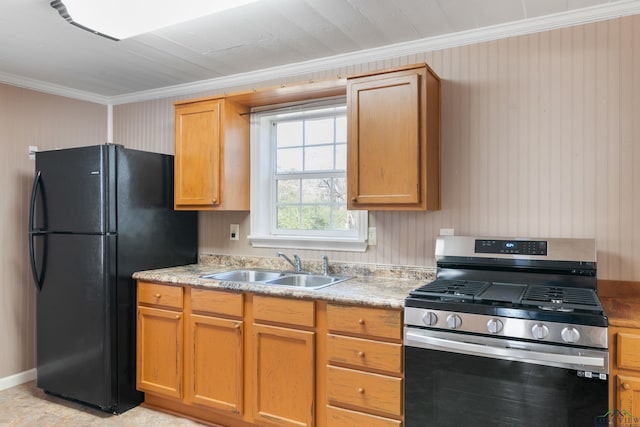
x,y
456,380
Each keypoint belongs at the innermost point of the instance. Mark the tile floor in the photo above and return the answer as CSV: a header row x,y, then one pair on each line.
x,y
28,406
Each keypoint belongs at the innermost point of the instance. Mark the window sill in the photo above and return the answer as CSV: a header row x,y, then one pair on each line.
x,y
313,243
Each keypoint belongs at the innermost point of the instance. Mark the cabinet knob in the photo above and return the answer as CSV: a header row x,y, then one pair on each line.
x,y
157,295
361,390
177,316
361,354
361,321
626,386
237,326
214,201
354,199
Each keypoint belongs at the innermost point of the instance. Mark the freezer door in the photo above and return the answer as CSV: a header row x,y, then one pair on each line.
x,y
75,190
75,319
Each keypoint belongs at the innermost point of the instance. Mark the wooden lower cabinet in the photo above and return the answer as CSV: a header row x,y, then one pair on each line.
x,y
624,380
159,355
364,372
160,326
215,354
284,376
237,359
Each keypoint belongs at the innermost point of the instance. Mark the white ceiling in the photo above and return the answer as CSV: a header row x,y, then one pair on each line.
x,y
39,49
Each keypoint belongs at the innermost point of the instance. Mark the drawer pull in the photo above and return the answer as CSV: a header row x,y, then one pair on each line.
x,y
361,354
157,295
361,390
361,321
626,386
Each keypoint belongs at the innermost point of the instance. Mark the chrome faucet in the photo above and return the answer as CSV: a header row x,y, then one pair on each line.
x,y
325,265
296,263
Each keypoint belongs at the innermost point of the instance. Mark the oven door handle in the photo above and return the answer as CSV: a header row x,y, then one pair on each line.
x,y
543,358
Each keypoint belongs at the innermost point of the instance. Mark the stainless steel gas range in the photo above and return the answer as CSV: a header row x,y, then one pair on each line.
x,y
511,333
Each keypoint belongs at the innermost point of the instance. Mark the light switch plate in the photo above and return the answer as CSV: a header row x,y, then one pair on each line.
x,y
234,232
446,232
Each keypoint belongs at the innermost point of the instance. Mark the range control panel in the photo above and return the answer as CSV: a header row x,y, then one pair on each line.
x,y
518,247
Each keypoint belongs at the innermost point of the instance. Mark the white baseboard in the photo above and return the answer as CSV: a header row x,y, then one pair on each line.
x,y
17,379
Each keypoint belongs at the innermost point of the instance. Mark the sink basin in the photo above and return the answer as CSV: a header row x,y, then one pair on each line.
x,y
309,281
245,275
277,278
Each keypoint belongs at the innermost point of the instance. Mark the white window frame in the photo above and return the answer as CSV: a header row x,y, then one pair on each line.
x,y
262,234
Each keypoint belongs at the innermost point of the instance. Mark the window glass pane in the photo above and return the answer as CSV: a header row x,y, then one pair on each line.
x,y
317,217
288,217
288,190
341,129
318,158
289,160
289,134
341,157
316,190
339,190
319,131
344,219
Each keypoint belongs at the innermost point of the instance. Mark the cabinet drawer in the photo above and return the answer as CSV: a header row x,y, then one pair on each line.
x,y
365,390
218,302
160,295
338,417
284,310
628,347
365,321
364,353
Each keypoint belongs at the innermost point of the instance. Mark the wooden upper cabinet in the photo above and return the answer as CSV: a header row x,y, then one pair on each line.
x,y
393,140
211,155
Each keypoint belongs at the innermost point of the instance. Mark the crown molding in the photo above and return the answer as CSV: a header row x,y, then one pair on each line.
x,y
53,89
526,26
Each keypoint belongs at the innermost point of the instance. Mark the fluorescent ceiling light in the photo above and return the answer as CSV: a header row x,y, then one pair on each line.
x,y
120,19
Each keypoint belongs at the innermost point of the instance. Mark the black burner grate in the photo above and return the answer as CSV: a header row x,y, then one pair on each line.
x,y
561,295
451,288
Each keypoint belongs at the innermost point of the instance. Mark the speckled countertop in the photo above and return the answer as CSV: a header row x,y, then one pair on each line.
x,y
374,285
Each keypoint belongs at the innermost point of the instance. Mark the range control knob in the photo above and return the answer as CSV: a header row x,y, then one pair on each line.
x,y
429,318
539,331
454,321
494,326
570,334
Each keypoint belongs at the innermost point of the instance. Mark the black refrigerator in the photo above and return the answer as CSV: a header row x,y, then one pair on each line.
x,y
97,215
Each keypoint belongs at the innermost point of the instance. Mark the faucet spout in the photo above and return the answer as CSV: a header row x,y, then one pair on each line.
x,y
296,264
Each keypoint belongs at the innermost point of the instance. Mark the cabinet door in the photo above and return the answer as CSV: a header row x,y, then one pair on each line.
x,y
215,363
628,389
284,382
197,154
159,351
384,140
393,140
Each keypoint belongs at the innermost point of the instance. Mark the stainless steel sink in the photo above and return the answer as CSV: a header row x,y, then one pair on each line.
x,y
246,275
278,278
309,281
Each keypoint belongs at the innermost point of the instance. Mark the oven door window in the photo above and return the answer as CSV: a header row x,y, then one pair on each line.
x,y
445,389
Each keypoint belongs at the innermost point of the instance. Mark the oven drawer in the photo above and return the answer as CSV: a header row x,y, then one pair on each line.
x,y
365,390
363,353
365,321
338,417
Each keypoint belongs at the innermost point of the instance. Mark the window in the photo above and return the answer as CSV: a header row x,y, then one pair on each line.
x,y
298,182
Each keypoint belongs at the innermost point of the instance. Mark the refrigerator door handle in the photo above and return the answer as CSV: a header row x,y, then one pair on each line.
x,y
33,233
